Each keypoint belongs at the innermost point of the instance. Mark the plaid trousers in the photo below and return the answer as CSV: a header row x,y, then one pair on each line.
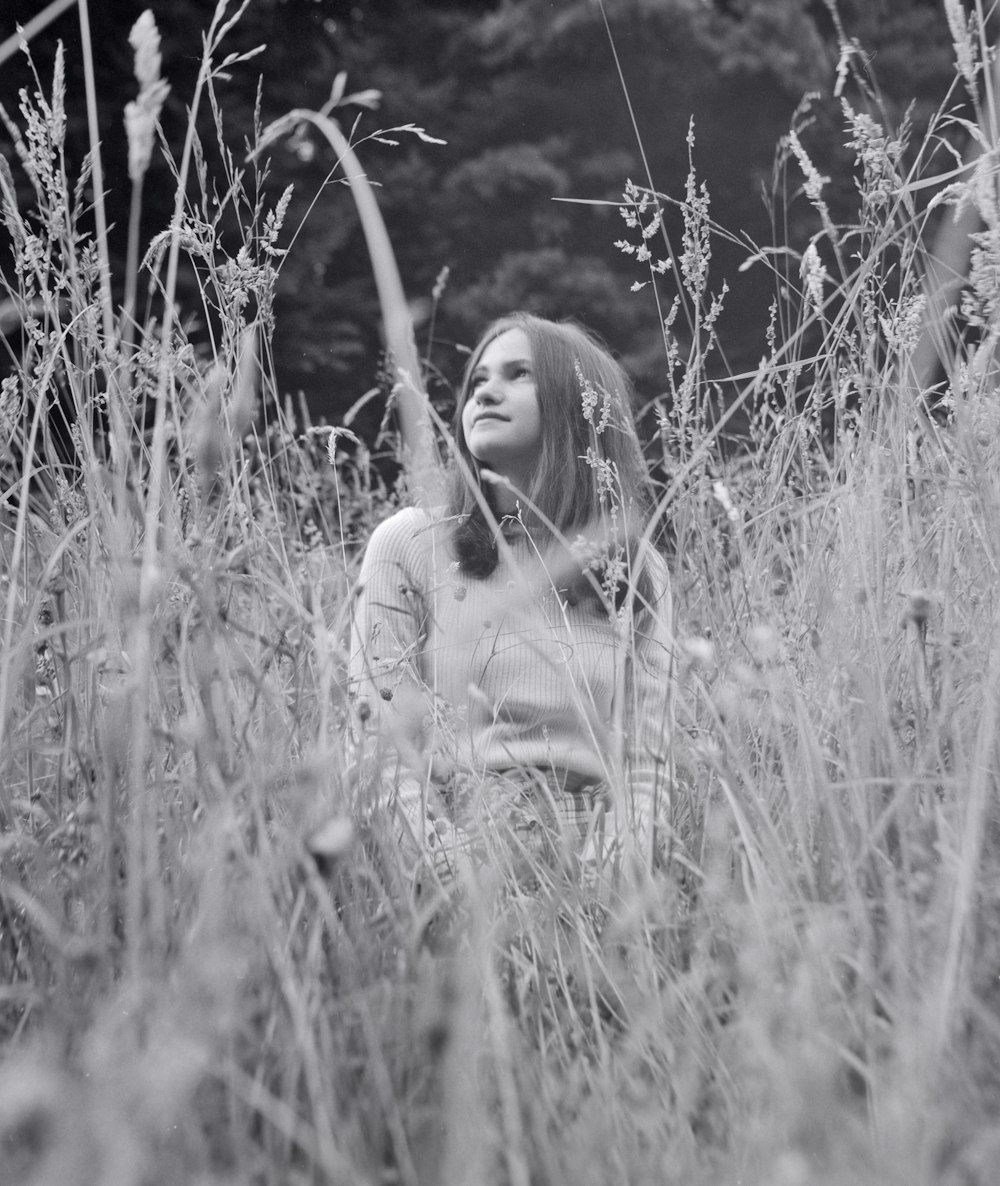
x,y
528,816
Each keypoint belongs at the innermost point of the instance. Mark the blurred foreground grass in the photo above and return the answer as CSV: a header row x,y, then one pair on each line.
x,y
807,990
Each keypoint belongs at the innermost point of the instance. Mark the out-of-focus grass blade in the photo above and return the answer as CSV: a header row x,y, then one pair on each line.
x,y
35,25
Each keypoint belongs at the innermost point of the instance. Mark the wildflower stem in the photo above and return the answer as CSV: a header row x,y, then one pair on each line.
x,y
100,217
154,505
141,822
646,168
132,265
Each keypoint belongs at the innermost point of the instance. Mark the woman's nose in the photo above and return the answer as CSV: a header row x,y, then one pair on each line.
x,y
486,391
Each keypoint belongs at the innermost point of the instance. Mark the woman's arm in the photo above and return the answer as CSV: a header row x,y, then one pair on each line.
x,y
390,621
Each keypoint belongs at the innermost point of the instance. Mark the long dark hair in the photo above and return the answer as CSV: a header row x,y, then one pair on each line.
x,y
591,460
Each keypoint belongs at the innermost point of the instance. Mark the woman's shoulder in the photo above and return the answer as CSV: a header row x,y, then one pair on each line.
x,y
409,531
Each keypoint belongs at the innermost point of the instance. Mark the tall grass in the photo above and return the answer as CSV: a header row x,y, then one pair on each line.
x,y
805,991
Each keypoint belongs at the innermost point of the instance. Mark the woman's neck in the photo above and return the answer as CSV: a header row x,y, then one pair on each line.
x,y
506,495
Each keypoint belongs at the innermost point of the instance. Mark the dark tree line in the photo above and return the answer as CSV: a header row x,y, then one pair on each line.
x,y
527,97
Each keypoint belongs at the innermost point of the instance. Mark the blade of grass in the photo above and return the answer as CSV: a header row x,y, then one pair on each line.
x,y
37,23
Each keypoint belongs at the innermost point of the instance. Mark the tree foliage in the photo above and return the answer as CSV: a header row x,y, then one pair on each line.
x,y
527,96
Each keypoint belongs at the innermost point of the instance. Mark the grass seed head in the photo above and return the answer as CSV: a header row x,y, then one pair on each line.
x,y
142,113
919,604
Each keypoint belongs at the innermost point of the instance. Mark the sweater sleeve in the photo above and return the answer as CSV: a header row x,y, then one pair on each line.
x,y
391,613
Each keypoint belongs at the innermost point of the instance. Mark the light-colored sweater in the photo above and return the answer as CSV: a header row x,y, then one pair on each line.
x,y
499,672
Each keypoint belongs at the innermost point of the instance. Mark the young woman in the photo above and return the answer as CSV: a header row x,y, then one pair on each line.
x,y
510,652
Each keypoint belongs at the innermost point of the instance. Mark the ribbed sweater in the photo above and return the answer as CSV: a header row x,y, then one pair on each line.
x,y
503,671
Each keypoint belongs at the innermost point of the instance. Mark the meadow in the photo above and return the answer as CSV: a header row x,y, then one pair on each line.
x,y
211,969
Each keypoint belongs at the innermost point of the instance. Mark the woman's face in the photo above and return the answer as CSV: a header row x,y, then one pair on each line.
x,y
501,419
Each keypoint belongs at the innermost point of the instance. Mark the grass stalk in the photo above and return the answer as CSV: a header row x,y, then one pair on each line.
x,y
419,450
